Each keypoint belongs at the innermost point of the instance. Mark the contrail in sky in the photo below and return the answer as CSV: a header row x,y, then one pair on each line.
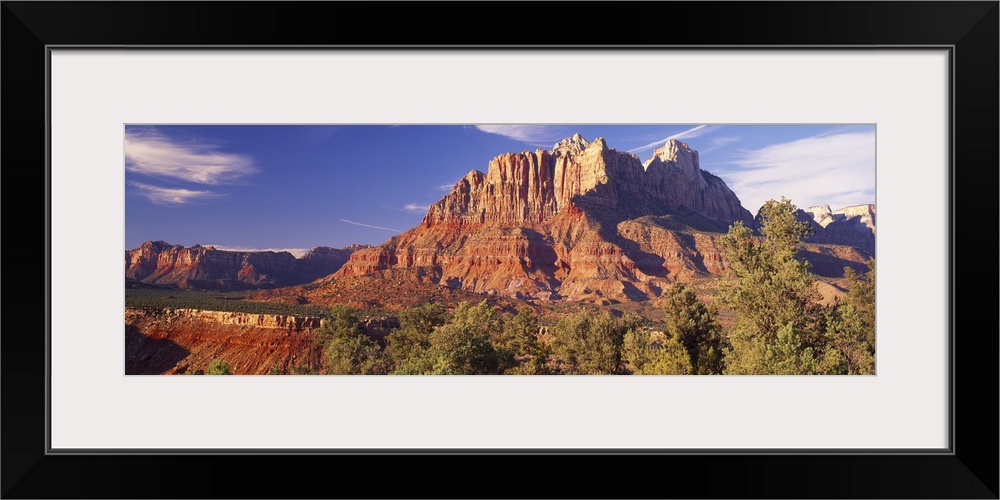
x,y
686,133
371,226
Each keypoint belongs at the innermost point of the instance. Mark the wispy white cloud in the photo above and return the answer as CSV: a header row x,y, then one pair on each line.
x,y
148,152
689,133
415,208
297,252
536,135
445,187
836,170
371,226
173,196
716,143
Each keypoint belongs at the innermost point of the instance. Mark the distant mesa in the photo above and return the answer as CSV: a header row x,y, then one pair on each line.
x,y
853,226
160,264
859,214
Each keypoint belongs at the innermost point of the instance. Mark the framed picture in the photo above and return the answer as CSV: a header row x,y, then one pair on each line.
x,y
926,89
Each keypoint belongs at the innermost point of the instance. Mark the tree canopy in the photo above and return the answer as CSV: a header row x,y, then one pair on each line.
x,y
780,326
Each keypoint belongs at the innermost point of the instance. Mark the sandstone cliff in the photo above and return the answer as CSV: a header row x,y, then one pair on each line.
x,y
531,187
159,263
556,224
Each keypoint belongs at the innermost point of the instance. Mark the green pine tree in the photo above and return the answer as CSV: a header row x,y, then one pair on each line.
x,y
851,327
778,321
693,325
218,367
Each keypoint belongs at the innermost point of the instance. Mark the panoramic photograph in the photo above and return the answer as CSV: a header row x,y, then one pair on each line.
x,y
554,249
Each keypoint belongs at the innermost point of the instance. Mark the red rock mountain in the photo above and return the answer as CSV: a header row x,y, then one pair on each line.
x,y
581,221
160,263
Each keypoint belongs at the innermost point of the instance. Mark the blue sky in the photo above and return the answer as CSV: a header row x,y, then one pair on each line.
x,y
296,187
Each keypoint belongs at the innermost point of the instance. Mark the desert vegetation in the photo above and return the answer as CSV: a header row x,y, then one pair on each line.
x,y
780,327
216,367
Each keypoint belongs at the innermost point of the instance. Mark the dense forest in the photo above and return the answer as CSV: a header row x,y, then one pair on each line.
x,y
779,327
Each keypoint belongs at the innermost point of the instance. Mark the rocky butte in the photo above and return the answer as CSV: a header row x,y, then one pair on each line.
x,y
579,221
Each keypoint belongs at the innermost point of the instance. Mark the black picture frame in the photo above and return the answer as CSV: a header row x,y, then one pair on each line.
x,y
970,29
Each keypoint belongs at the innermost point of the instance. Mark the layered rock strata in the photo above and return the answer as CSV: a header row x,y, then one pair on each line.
x,y
555,224
279,321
